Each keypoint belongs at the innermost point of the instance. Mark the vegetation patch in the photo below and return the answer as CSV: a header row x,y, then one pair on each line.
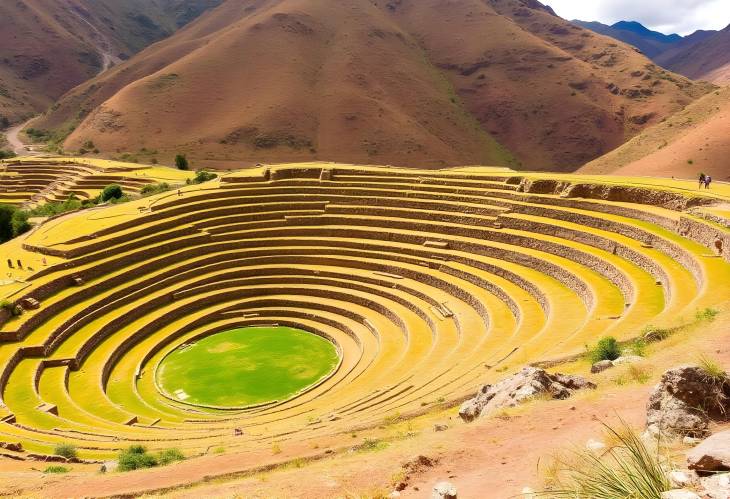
x,y
246,366
629,468
606,349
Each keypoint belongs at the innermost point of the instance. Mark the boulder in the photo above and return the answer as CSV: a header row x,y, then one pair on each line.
x,y
595,446
444,490
712,455
601,366
684,402
716,486
440,427
518,388
627,359
680,478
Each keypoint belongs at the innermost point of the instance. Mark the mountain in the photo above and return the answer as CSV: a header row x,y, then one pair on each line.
x,y
703,55
706,56
47,47
692,141
408,82
651,43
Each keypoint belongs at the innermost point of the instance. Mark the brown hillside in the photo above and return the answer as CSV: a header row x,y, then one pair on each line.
x,y
692,141
708,59
404,82
49,46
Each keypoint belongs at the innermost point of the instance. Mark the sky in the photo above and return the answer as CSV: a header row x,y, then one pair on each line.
x,y
667,16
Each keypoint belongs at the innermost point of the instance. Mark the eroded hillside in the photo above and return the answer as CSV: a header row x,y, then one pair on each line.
x,y
404,82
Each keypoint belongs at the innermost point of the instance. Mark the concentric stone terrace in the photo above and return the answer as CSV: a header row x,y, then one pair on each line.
x,y
428,283
32,181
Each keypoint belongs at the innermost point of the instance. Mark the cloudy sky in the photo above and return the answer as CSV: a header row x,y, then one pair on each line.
x,y
667,16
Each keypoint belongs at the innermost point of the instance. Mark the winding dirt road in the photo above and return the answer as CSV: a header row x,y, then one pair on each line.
x,y
16,145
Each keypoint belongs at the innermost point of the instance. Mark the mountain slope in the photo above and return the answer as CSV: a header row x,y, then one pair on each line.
x,y
693,140
49,46
706,59
403,82
651,43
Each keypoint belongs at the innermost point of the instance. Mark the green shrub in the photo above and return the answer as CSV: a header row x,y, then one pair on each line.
x,y
628,469
151,189
19,222
56,469
181,162
136,457
638,347
606,349
706,314
65,450
5,154
712,368
203,176
6,222
653,333
112,191
169,456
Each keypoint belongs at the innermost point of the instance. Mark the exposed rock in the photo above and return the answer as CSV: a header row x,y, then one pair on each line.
x,y
691,441
518,388
684,402
680,494
440,427
15,447
627,359
716,486
444,490
711,455
601,366
682,478
109,466
595,445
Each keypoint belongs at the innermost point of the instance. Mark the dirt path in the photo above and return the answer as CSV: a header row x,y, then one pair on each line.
x,y
16,145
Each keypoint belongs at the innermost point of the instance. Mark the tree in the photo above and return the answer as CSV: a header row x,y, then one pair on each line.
x,y
19,222
112,191
181,161
6,222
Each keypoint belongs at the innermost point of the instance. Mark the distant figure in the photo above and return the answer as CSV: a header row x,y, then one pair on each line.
x,y
702,180
10,263
237,432
20,264
45,262
179,192
708,181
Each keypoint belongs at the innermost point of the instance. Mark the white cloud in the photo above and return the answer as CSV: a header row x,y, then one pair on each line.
x,y
667,16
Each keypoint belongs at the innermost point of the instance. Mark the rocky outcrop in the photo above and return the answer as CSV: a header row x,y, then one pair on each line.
x,y
685,401
526,384
602,365
444,490
712,455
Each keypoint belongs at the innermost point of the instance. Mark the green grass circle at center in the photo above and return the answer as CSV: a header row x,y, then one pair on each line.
x,y
246,366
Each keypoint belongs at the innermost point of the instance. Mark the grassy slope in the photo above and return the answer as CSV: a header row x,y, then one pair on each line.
x,y
247,366
698,134
300,81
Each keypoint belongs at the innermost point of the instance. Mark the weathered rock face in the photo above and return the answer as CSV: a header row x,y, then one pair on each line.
x,y
444,490
716,486
518,388
601,366
712,455
684,402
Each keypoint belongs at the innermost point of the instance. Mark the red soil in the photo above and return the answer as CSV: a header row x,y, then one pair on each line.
x,y
404,82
